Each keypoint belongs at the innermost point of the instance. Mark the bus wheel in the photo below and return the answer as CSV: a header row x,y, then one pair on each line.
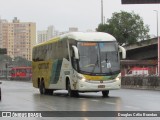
x,y
70,92
0,93
42,89
76,94
105,93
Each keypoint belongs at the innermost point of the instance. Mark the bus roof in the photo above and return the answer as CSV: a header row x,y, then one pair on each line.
x,y
82,36
89,36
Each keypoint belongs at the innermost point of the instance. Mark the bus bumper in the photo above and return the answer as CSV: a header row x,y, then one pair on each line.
x,y
85,86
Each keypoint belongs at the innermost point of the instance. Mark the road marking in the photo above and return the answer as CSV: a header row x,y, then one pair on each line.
x,y
132,107
82,98
111,103
95,100
50,107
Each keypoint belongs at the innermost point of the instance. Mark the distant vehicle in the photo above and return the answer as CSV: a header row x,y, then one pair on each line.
x,y
138,71
77,62
21,73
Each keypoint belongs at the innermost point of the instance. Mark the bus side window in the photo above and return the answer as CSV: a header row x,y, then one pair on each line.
x,y
33,54
65,50
49,52
46,52
60,49
53,54
38,51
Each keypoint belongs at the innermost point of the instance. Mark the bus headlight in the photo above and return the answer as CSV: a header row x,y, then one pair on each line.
x,y
118,78
83,79
80,77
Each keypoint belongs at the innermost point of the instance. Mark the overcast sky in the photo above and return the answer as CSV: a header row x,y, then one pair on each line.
x,y
84,14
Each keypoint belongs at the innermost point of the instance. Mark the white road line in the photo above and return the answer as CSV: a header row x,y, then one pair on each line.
x,y
95,100
132,107
50,107
82,98
111,103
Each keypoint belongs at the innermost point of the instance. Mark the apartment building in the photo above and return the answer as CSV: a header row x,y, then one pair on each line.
x,y
18,37
45,35
42,36
73,29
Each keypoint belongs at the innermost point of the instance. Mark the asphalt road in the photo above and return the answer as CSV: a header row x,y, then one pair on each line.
x,y
21,96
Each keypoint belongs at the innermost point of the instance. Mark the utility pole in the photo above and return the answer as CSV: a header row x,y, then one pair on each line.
x,y
6,65
158,44
101,11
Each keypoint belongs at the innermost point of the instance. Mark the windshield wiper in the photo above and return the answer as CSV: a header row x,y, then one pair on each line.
x,y
108,65
96,63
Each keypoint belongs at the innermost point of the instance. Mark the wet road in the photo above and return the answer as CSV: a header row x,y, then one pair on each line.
x,y
21,96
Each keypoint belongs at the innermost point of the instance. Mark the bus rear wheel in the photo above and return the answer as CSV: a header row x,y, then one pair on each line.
x,y
105,93
43,90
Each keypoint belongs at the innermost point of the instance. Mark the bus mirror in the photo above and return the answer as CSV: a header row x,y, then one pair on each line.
x,y
76,54
122,49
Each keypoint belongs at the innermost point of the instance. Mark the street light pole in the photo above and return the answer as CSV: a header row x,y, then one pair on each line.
x,y
101,11
6,65
158,44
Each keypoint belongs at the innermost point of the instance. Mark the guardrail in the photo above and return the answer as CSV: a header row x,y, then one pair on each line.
x,y
149,82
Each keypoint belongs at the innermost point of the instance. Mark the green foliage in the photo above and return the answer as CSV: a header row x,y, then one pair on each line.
x,y
127,28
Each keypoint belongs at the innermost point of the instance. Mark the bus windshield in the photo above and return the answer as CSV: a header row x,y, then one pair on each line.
x,y
98,58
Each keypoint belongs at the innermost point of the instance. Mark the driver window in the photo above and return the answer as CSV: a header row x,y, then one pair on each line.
x,y
73,60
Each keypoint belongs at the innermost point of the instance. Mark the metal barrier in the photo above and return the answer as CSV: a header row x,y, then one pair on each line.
x,y
140,82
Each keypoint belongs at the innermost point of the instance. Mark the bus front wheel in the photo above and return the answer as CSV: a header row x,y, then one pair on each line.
x,y
105,93
71,93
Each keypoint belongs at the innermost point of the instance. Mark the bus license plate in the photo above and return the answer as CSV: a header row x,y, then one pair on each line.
x,y
101,86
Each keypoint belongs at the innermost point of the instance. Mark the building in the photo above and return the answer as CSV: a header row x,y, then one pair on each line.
x,y
18,37
2,24
41,36
45,35
141,55
73,29
50,32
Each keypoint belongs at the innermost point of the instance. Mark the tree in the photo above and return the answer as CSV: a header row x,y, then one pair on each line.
x,y
127,28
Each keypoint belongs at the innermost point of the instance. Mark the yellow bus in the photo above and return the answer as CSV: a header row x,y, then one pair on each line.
x,y
77,62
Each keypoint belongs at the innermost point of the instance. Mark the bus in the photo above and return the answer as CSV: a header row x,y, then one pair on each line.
x,y
77,62
21,73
